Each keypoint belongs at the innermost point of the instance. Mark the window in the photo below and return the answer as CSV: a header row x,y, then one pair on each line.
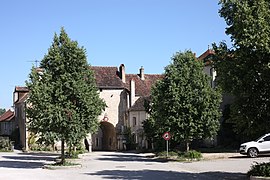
x,y
134,121
267,138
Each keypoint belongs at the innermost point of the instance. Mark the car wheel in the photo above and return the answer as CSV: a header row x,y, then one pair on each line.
x,y
252,152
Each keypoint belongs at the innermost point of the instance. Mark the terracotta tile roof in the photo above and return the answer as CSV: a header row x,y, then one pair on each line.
x,y
7,116
139,104
21,89
206,53
107,77
142,87
204,57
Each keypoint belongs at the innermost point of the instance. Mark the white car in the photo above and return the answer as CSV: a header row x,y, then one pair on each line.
x,y
259,146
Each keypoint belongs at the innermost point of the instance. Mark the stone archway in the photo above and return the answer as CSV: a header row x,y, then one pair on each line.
x,y
109,136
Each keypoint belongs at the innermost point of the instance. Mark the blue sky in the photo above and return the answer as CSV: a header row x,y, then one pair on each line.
x,y
133,32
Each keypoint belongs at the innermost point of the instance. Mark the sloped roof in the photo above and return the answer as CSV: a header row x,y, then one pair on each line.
x,y
139,104
21,89
7,116
107,77
206,53
206,57
142,87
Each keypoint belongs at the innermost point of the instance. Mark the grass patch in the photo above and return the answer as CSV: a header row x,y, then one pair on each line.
x,y
191,155
5,150
59,165
66,163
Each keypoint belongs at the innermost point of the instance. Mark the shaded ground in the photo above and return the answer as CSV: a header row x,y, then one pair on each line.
x,y
26,160
160,175
115,165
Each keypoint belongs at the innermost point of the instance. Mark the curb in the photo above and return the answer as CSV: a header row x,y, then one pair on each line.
x,y
51,167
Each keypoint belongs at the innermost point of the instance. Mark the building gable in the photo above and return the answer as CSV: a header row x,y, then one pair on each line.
x,y
142,87
107,77
7,116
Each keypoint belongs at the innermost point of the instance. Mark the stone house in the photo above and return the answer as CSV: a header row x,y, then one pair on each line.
x,y
206,57
124,96
7,123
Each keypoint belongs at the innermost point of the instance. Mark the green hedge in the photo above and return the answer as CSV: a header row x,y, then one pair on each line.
x,y
5,144
260,169
189,155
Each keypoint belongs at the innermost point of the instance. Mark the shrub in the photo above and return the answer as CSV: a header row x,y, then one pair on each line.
x,y
5,144
170,153
260,169
74,154
191,154
40,147
74,150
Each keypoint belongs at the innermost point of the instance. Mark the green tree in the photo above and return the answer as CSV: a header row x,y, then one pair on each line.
x,y
63,102
244,69
2,111
183,103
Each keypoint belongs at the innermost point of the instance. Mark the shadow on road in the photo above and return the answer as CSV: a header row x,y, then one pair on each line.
x,y
27,160
21,164
133,157
31,158
40,154
160,175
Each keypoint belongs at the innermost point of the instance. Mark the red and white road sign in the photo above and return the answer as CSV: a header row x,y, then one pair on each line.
x,y
166,136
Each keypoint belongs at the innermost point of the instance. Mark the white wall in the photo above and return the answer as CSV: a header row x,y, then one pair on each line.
x,y
138,128
209,70
112,99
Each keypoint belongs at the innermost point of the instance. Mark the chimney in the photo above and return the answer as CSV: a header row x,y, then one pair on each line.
x,y
122,73
142,73
132,92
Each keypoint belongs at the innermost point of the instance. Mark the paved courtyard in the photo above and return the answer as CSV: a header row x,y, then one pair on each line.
x,y
116,165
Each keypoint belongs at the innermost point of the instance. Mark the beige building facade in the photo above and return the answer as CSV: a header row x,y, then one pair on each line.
x,y
123,94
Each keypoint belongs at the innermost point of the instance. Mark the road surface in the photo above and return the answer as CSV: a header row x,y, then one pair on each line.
x,y
116,165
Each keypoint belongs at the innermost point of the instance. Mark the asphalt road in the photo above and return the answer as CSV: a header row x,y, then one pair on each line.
x,y
127,166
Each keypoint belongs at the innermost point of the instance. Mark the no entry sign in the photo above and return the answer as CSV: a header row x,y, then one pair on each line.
x,y
166,136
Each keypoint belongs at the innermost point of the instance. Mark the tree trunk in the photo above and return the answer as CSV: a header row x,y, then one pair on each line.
x,y
187,146
62,151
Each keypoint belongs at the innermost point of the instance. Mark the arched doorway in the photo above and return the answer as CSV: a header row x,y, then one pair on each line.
x,y
109,136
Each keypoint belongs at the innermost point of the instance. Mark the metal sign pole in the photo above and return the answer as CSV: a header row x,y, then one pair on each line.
x,y
167,148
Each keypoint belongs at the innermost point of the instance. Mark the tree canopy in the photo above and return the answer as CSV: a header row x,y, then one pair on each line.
x,y
184,103
244,69
63,101
2,111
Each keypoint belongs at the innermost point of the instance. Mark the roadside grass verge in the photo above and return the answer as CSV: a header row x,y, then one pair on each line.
x,y
191,155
